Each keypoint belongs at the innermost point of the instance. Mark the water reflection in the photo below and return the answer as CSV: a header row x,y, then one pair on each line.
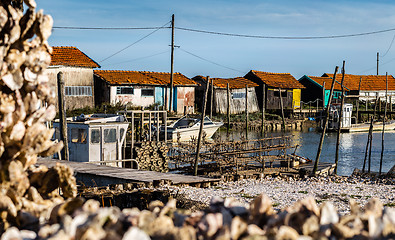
x,y
351,151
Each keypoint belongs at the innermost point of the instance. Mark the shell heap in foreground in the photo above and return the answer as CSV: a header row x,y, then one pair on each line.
x,y
26,104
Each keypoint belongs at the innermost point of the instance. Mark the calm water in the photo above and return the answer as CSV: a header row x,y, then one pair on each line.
x,y
352,147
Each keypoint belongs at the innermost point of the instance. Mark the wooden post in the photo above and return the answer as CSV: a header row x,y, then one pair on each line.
x,y
132,137
212,98
172,64
62,117
228,105
367,145
149,128
317,159
371,134
357,103
165,123
201,130
263,108
282,110
246,107
385,115
340,121
323,96
377,73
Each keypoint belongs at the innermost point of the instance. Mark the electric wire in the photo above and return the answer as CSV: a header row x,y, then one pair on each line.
x,y
285,37
123,49
389,61
393,38
204,59
108,28
140,58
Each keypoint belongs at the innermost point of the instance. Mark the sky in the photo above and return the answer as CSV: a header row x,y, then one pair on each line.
x,y
229,56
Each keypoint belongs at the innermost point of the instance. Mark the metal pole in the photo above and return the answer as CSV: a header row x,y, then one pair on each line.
x,y
200,130
172,64
317,159
340,121
62,117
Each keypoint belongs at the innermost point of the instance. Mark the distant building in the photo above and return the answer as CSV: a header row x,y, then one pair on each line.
x,y
319,88
141,88
370,87
237,87
290,89
77,69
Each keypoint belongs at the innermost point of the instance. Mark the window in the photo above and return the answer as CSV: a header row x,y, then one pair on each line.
x,y
283,93
78,91
122,131
110,135
147,92
125,90
78,135
95,136
237,95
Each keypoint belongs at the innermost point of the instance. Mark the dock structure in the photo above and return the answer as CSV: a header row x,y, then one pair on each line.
x,y
95,175
323,169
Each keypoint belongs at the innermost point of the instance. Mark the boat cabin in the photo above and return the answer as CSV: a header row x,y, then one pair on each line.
x,y
334,113
96,138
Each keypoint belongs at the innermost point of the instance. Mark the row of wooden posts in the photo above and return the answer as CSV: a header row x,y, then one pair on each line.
x,y
369,142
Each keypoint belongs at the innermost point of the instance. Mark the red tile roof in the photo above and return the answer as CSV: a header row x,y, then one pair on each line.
x,y
237,82
278,80
368,83
328,82
117,77
71,56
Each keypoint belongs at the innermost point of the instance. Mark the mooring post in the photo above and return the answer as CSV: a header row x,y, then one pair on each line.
x,y
367,145
228,105
371,134
317,159
263,109
340,120
385,115
282,109
212,98
357,103
62,117
246,107
199,140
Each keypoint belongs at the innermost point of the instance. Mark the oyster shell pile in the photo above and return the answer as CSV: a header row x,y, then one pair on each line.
x,y
224,219
26,104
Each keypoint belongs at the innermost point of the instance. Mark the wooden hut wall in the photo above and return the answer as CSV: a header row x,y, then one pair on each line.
x,y
273,98
312,90
237,101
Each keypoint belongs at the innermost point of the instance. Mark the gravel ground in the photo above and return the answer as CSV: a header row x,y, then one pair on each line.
x,y
286,192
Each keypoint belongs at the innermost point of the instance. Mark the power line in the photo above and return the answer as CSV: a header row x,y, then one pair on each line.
x,y
286,37
140,58
107,28
123,49
389,46
204,59
389,61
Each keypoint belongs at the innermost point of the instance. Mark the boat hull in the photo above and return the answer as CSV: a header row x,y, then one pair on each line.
x,y
186,134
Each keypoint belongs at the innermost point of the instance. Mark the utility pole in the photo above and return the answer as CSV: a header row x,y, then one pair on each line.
x,y
172,64
377,73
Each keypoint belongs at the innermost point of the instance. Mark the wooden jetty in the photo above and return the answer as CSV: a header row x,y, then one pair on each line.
x,y
324,169
100,175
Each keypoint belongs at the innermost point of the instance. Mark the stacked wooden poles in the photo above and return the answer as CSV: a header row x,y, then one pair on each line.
x,y
340,121
195,167
385,115
152,156
317,159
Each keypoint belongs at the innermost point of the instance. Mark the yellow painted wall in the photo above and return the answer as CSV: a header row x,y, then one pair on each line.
x,y
296,98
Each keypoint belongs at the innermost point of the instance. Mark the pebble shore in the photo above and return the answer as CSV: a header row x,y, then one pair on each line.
x,y
285,192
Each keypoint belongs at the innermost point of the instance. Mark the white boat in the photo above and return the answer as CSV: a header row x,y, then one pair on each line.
x,y
187,127
347,125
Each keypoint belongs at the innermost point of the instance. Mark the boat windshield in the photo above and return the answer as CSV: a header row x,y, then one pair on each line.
x,y
185,122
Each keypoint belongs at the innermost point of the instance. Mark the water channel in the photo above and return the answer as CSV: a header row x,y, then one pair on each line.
x,y
352,147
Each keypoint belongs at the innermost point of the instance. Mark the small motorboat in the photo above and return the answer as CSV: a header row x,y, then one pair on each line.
x,y
187,127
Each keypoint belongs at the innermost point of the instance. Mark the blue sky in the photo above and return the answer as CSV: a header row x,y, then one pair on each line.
x,y
252,17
